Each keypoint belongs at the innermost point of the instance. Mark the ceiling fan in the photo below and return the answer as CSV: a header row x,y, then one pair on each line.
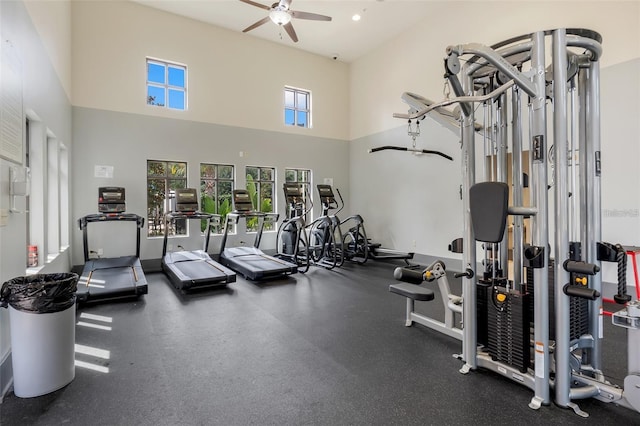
x,y
280,14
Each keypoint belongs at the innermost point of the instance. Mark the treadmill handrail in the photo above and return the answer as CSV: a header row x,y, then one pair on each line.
x,y
246,213
108,217
233,218
211,218
192,215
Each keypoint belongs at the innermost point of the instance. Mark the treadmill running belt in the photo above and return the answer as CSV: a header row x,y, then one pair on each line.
x,y
195,268
111,278
254,264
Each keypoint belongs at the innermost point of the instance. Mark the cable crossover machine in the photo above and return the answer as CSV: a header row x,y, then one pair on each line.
x,y
534,316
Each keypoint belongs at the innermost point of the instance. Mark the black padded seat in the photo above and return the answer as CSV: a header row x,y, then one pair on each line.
x,y
412,291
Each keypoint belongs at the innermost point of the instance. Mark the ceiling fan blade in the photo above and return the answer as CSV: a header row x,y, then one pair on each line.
x,y
292,33
253,3
257,24
307,15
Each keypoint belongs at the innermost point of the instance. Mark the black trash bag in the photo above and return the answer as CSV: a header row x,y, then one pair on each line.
x,y
40,293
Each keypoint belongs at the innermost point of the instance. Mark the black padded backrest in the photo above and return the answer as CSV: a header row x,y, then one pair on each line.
x,y
488,203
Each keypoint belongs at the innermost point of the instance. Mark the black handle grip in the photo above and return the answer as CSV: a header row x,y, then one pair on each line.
x,y
408,275
581,292
467,273
580,267
622,299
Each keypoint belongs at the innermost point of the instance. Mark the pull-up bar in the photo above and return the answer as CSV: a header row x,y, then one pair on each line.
x,y
404,148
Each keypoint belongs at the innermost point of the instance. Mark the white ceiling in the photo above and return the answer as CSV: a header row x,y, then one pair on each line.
x,y
342,37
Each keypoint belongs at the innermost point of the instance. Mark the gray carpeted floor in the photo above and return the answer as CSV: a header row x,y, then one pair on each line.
x,y
325,348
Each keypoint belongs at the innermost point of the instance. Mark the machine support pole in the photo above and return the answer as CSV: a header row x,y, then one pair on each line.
x,y
574,221
540,222
562,352
517,179
469,342
594,234
583,78
502,141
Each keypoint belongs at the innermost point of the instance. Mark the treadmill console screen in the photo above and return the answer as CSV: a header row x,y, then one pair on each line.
x,y
292,190
186,200
326,193
111,199
242,201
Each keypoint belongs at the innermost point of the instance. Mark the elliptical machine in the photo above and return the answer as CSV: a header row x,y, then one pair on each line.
x,y
325,235
292,241
355,246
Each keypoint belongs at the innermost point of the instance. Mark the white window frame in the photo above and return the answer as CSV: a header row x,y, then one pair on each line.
x,y
216,183
307,183
259,182
296,91
47,204
157,223
166,86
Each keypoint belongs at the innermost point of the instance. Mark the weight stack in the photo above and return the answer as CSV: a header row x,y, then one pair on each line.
x,y
552,303
578,317
483,291
508,328
578,308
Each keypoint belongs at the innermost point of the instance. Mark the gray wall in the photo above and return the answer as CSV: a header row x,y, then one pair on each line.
x,y
126,141
409,203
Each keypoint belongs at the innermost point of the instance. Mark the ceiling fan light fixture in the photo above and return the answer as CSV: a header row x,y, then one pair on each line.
x,y
280,17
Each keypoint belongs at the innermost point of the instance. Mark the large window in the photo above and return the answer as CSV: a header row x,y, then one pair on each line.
x,y
297,107
261,184
216,188
302,176
163,177
166,84
47,164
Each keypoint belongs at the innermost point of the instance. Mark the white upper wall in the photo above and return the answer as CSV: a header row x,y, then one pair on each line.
x,y
412,62
233,79
52,20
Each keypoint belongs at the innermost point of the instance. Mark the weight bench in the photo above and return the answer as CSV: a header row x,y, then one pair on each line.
x,y
412,291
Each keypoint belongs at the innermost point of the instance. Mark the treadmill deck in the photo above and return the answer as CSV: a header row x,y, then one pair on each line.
x,y
253,264
189,269
111,278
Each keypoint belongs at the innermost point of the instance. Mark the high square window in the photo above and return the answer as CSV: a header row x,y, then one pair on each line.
x,y
297,107
166,84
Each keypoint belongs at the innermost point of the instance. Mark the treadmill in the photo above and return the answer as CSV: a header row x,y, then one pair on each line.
x,y
117,277
192,269
251,262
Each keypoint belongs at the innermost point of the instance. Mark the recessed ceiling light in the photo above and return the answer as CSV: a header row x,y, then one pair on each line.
x,y
356,17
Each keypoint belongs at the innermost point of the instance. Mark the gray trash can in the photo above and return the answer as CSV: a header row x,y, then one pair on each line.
x,y
42,314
